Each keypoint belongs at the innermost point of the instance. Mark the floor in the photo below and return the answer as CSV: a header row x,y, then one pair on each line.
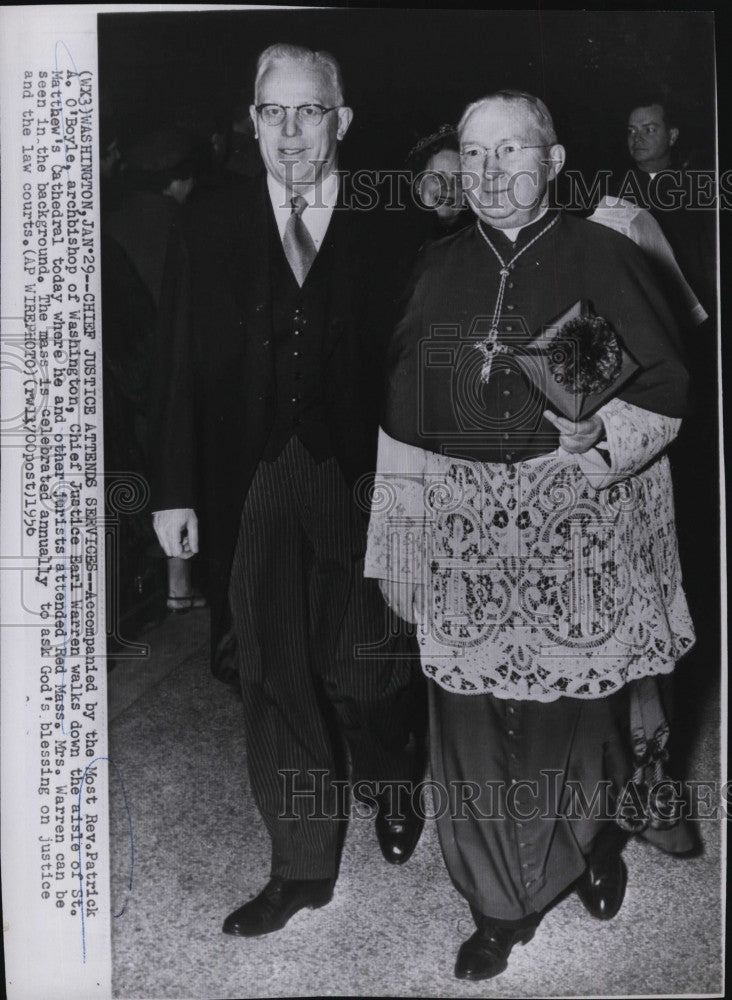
x,y
200,851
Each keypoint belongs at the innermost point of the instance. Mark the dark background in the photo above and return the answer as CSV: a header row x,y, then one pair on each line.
x,y
408,71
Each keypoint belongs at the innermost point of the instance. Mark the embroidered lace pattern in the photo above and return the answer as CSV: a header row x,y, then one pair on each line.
x,y
537,583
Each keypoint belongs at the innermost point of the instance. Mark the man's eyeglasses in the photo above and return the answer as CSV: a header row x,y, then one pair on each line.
x,y
474,153
306,114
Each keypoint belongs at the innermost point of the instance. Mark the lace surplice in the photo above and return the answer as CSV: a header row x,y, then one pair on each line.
x,y
555,576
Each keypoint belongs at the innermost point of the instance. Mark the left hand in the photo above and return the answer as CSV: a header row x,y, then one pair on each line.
x,y
576,437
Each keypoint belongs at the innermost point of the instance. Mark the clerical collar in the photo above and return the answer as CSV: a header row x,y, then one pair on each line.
x,y
512,234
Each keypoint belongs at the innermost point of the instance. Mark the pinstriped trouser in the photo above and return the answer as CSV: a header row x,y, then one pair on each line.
x,y
301,607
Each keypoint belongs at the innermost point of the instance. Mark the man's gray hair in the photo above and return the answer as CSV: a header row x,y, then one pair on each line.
x,y
539,111
322,61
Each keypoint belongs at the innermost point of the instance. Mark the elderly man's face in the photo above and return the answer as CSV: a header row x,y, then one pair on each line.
x,y
649,139
295,153
506,164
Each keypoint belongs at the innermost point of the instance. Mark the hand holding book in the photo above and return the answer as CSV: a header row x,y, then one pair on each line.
x,y
577,437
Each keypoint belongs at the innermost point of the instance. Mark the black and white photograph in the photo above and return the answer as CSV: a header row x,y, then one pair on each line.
x,y
362,503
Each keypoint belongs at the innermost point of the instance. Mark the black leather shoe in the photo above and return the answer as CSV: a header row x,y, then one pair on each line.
x,y
485,954
397,836
602,886
280,899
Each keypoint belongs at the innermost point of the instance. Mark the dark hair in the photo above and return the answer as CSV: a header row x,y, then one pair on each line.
x,y
667,106
444,138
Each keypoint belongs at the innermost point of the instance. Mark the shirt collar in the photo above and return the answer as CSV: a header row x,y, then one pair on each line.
x,y
321,195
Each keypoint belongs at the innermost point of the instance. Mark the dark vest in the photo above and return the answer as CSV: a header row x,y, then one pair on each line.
x,y
299,319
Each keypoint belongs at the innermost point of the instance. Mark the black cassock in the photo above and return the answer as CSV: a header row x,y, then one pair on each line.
x,y
525,732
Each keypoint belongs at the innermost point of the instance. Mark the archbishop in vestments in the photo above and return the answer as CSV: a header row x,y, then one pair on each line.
x,y
537,556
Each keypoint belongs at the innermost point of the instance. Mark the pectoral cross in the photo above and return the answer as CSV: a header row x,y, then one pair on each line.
x,y
490,348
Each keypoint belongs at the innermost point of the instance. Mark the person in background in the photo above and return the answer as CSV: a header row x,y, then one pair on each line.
x,y
640,226
660,183
435,161
146,226
664,181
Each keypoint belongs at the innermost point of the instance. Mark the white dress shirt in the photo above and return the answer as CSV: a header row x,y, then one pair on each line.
x,y
321,199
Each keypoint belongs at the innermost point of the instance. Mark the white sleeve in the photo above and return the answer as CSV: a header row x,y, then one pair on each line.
x,y
634,438
396,533
649,236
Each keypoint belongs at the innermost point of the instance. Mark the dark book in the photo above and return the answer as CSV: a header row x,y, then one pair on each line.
x,y
577,361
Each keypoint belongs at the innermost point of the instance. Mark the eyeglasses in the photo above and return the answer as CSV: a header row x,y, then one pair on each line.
x,y
306,114
504,151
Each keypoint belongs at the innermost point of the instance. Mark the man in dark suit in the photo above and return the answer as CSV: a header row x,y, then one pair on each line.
x,y
680,199
276,380
662,183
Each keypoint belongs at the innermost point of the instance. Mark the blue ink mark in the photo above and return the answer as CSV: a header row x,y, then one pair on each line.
x,y
132,849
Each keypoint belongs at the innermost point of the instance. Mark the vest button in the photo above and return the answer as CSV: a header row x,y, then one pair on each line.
x,y
296,354
265,343
510,308
297,332
295,399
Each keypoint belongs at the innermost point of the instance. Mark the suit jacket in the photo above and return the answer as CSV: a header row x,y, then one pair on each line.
x,y
214,390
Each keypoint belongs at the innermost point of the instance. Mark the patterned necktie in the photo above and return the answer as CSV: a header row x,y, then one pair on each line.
x,y
297,241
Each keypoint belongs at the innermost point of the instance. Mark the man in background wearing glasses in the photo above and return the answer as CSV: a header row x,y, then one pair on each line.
x,y
278,386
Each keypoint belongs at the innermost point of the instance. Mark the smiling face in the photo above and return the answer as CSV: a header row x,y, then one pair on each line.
x,y
506,191
299,155
649,138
